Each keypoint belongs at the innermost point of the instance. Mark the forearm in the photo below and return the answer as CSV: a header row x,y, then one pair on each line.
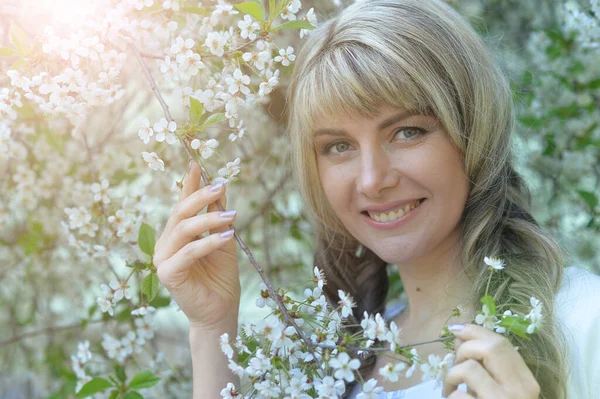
x,y
210,366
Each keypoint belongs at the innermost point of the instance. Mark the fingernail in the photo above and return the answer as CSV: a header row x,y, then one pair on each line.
x,y
455,327
190,166
216,187
228,214
226,234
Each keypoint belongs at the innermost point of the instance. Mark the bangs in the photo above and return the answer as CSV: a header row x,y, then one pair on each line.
x,y
355,79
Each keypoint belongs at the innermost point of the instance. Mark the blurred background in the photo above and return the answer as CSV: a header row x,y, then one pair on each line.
x,y
75,191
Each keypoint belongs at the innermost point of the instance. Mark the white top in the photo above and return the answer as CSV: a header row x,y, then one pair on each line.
x,y
578,314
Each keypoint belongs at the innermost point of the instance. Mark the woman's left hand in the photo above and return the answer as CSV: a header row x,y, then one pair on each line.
x,y
490,366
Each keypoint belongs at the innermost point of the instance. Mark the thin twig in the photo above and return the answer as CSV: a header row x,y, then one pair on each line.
x,y
327,346
44,331
288,319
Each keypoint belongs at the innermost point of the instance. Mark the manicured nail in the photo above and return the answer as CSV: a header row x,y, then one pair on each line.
x,y
228,214
216,187
190,165
226,234
455,327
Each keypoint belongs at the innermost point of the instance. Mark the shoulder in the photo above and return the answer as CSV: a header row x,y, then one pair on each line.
x,y
578,316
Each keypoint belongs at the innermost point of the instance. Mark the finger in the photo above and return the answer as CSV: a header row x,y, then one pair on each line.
x,y
495,352
192,205
474,375
213,208
175,269
189,229
460,395
191,182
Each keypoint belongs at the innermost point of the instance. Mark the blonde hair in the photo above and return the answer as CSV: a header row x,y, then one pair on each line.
x,y
422,55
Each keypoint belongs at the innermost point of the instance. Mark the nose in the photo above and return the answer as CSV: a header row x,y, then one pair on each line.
x,y
377,173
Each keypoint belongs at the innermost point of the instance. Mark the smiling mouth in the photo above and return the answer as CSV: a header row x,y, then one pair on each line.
x,y
395,214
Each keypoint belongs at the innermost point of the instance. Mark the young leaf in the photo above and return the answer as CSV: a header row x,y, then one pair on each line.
x,y
298,24
143,379
133,395
590,199
196,109
516,325
489,302
251,8
18,37
94,386
8,52
120,372
150,286
214,118
114,394
146,239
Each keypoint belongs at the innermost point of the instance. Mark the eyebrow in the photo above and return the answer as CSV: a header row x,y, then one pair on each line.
x,y
384,124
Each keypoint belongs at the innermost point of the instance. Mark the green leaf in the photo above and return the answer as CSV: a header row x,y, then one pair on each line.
x,y
94,386
146,239
298,24
590,199
150,286
214,118
196,109
160,302
489,302
8,52
18,37
516,325
251,8
143,379
120,372
114,394
133,395
593,84
195,10
531,121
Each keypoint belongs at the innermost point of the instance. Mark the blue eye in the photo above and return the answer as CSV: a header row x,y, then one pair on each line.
x,y
340,146
411,132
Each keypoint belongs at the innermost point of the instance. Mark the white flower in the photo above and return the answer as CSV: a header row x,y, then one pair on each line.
x,y
154,162
500,329
216,42
494,263
328,388
311,18
206,148
319,277
143,310
229,173
370,390
239,134
391,371
171,4
105,306
226,346
486,319
535,315
164,131
230,392
414,363
248,27
102,192
347,303
344,367
237,82
268,86
83,351
145,131
393,336
436,368
285,56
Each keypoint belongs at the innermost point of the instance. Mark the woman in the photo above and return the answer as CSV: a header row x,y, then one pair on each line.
x,y
400,125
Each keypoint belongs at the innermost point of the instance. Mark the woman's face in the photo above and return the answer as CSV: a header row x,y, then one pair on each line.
x,y
396,182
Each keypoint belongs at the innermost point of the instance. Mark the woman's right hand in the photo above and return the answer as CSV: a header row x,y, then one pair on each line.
x,y
201,273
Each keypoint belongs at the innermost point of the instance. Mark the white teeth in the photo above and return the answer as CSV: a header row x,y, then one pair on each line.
x,y
392,216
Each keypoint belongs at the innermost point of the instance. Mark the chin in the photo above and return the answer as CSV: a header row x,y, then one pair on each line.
x,y
396,253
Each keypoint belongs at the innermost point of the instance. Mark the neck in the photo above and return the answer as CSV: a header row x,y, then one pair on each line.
x,y
434,284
